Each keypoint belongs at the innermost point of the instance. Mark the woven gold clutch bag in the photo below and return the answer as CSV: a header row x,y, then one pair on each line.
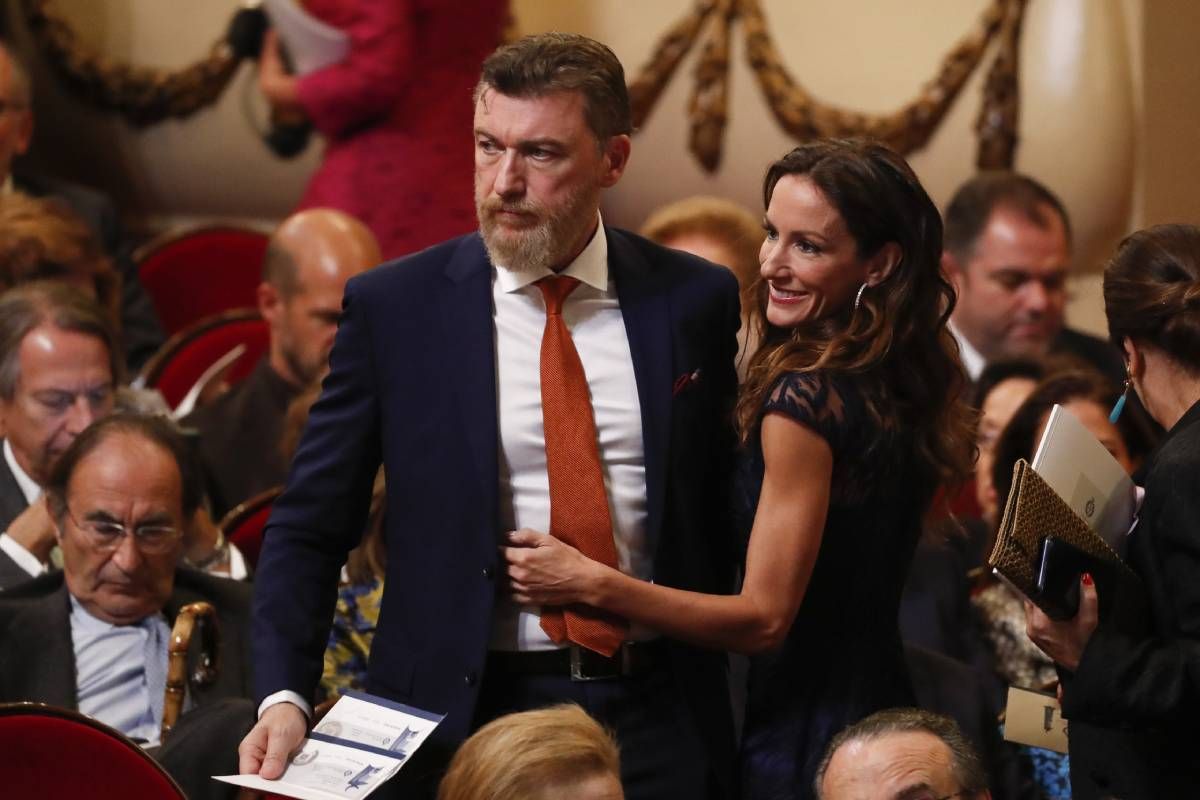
x,y
1033,512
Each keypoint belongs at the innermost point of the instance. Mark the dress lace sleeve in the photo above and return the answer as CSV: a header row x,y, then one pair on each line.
x,y
813,400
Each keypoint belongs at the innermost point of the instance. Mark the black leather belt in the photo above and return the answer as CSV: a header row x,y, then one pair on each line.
x,y
579,663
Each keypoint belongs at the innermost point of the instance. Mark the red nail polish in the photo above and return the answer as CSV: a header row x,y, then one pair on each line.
x,y
1087,579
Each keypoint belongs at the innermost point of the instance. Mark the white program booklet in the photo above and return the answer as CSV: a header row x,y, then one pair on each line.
x,y
1086,476
359,744
311,43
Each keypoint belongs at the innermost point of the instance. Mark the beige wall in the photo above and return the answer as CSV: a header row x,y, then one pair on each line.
x,y
1109,108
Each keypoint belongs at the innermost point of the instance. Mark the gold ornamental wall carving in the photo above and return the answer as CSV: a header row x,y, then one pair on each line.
x,y
146,96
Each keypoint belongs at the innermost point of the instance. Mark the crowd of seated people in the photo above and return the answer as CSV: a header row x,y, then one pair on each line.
x,y
872,645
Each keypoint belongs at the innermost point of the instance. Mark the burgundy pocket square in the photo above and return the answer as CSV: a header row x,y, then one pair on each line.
x,y
685,380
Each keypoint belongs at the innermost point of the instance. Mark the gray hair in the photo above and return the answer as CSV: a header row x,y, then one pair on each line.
x,y
66,307
964,761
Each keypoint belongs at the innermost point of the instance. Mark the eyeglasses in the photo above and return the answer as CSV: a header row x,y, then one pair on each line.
x,y
106,535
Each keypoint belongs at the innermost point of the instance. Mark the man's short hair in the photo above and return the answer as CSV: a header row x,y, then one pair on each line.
x,y
964,761
546,63
971,207
280,269
66,307
22,87
154,429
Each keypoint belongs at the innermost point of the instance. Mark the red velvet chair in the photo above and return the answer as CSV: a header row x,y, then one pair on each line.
x,y
52,754
185,358
200,271
243,525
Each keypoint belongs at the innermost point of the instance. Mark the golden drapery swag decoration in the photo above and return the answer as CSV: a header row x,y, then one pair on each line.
x,y
905,130
142,95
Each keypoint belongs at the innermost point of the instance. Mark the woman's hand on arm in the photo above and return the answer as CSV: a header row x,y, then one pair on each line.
x,y
545,571
783,549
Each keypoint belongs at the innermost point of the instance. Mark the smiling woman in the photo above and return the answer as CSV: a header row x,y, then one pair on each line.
x,y
851,418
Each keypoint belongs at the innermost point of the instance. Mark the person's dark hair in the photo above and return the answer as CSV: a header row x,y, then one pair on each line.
x,y
1019,437
998,372
1152,292
66,307
971,207
897,342
545,63
965,763
154,429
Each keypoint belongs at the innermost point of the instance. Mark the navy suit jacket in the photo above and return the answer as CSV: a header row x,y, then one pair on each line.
x,y
412,384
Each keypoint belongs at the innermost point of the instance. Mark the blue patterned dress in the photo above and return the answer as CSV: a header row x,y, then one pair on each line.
x,y
842,659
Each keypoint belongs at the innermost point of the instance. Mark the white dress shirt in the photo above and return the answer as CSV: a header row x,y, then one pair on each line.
x,y
593,315
29,487
972,360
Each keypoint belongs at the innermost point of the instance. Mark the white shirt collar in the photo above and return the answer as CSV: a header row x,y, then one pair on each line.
x,y
590,266
29,486
972,360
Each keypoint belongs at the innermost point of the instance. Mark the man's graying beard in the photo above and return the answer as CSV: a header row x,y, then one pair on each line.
x,y
542,246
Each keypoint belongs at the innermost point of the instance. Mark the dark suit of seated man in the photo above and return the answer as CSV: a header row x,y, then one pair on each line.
x,y
94,636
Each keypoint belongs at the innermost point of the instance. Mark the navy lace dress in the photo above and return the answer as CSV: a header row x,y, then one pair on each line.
x,y
842,659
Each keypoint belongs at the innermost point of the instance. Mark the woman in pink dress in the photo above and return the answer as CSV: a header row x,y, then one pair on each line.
x,y
395,113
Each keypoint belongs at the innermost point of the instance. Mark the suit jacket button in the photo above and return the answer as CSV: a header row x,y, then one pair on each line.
x,y
471,678
487,573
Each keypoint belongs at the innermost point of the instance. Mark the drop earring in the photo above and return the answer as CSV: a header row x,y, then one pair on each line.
x,y
1120,404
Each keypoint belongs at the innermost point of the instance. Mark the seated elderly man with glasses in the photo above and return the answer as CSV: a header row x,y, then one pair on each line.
x,y
94,636
901,754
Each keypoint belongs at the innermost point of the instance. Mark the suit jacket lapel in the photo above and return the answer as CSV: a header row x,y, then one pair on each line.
x,y
643,294
12,499
468,332
44,671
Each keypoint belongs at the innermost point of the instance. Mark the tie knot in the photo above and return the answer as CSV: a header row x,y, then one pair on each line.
x,y
555,290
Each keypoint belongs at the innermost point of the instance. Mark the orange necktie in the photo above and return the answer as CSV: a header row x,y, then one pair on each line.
x,y
578,502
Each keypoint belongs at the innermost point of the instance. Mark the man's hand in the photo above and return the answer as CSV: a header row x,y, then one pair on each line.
x,y
34,530
1065,641
544,571
265,750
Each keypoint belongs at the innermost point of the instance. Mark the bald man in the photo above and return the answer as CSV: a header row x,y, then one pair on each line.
x,y
309,259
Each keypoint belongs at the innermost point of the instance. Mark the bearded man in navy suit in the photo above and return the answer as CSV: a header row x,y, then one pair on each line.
x,y
435,374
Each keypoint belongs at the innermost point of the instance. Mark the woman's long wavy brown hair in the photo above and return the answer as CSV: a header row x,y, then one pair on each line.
x,y
896,341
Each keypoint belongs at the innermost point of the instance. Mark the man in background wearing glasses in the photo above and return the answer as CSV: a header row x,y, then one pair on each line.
x,y
94,636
